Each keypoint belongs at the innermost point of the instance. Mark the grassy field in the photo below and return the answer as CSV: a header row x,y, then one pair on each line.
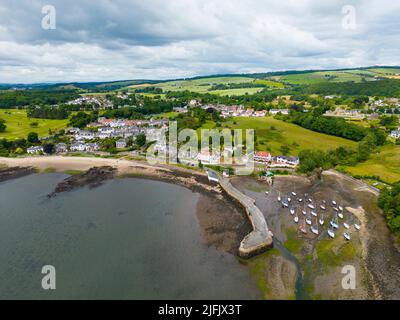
x,y
18,124
204,84
385,164
272,134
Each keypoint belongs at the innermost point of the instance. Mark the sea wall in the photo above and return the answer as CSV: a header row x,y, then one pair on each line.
x,y
260,239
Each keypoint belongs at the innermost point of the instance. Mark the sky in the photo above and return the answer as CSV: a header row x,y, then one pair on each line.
x,y
106,40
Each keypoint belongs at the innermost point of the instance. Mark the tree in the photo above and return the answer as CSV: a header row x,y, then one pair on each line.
x,y
3,127
140,140
48,148
33,137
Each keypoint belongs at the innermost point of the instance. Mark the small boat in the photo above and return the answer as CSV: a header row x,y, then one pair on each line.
x,y
334,202
311,206
292,211
303,228
340,208
321,220
309,200
266,192
336,209
314,229
308,221
334,224
300,200
285,204
346,235
296,219
279,197
322,207
357,226
294,193
331,233
289,199
314,213
346,225
340,215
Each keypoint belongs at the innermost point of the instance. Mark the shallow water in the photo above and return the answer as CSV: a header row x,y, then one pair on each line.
x,y
127,239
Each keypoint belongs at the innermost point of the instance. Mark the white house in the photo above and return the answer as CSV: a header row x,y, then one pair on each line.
x,y
35,150
205,156
61,148
287,161
78,146
276,111
84,135
262,156
395,134
121,144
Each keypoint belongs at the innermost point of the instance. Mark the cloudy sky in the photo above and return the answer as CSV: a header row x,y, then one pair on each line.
x,y
98,40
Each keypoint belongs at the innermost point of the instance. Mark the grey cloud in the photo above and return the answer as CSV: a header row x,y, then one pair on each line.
x,y
121,39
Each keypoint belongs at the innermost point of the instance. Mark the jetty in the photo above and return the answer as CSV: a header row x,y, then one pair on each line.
x,y
260,239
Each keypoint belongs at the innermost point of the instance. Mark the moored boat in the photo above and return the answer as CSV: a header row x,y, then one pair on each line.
x,y
357,226
331,233
347,236
314,213
346,225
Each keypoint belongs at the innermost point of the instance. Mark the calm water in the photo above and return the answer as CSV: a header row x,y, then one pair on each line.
x,y
129,238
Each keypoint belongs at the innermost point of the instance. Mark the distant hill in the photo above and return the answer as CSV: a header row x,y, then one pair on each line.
x,y
234,83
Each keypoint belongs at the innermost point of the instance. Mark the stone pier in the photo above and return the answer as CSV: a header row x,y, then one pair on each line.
x,y
260,239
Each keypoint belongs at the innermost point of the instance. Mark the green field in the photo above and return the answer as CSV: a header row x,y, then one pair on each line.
x,y
18,124
204,84
385,164
272,134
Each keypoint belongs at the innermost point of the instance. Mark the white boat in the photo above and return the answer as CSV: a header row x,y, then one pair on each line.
x,y
340,215
304,212
334,225
292,211
334,202
294,193
336,209
311,206
303,228
321,220
331,233
296,219
314,230
357,226
279,197
285,204
289,199
346,225
266,192
340,208
308,221
347,236
322,207
310,200
314,213
300,200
